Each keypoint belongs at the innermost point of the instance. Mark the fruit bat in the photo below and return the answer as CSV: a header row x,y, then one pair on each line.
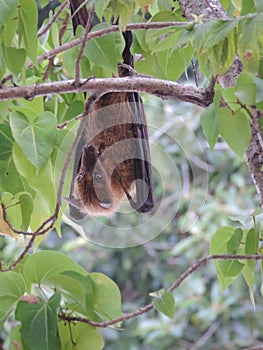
x,y
112,159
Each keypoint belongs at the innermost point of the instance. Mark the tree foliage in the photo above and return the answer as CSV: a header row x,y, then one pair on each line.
x,y
59,304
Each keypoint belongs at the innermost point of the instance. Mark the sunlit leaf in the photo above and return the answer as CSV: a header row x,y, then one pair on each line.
x,y
218,245
15,59
106,51
217,32
100,7
36,138
235,129
12,287
7,10
107,297
246,88
165,304
28,27
40,266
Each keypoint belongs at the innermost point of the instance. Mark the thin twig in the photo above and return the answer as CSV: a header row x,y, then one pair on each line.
x,y
5,217
211,8
98,34
194,71
22,255
48,69
82,47
53,19
206,336
199,263
65,124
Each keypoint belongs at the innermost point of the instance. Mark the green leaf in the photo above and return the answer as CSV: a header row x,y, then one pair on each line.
x,y
252,241
218,32
259,86
40,266
220,239
36,138
43,3
105,51
100,7
225,3
182,57
230,268
10,29
7,10
218,245
26,205
84,336
210,125
166,42
19,209
250,40
77,287
247,7
165,304
4,110
235,129
230,98
15,59
223,54
12,287
39,324
10,180
107,297
248,273
246,88
234,242
42,183
27,25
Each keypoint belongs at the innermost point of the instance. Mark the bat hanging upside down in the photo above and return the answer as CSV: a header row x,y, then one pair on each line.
x,y
112,160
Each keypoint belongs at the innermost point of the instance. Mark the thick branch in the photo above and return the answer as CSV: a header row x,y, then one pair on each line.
x,y
157,87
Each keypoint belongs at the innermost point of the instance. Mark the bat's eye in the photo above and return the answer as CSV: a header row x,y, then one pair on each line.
x,y
97,176
79,177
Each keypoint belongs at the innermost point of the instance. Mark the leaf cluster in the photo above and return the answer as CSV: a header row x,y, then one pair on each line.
x,y
49,285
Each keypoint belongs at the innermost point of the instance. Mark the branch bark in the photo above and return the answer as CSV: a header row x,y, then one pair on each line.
x,y
158,87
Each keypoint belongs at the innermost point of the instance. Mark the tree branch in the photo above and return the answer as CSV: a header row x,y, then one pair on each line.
x,y
98,34
53,19
198,264
82,47
158,87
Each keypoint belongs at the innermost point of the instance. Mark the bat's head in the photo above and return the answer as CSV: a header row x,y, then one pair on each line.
x,y
93,186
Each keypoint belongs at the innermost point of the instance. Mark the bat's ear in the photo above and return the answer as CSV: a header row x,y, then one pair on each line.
x,y
74,208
